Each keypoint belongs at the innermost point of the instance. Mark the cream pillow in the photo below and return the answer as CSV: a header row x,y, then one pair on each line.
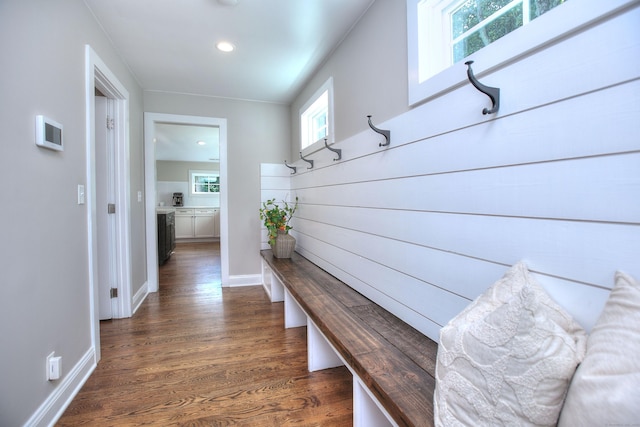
x,y
507,359
606,387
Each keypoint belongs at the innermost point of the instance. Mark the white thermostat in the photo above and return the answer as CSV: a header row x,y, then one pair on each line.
x,y
48,133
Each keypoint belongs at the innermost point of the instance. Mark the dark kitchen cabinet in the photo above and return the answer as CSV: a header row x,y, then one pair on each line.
x,y
166,236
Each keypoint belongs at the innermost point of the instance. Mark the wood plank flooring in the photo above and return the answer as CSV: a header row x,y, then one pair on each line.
x,y
196,354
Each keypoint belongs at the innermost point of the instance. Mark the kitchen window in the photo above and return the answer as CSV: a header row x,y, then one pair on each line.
x,y
442,33
316,116
203,182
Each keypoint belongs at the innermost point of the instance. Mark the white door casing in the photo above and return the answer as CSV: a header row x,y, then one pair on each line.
x,y
150,120
99,76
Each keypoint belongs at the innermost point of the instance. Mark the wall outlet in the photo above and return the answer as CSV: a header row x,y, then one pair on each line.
x,y
54,367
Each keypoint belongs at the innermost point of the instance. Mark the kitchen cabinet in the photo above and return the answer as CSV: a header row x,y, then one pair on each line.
x,y
197,223
184,223
166,236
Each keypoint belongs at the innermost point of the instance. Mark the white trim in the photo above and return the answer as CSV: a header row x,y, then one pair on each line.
x,y
150,119
98,75
245,280
57,402
139,296
545,30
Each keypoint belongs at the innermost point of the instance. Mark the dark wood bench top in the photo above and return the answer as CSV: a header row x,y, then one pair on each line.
x,y
394,360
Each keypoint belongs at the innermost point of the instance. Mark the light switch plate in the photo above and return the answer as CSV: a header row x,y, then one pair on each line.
x,y
54,367
80,194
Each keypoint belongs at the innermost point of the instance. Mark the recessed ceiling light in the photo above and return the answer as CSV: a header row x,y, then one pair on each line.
x,y
201,143
228,2
225,47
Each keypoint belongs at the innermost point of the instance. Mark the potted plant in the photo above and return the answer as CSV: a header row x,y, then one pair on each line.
x,y
276,218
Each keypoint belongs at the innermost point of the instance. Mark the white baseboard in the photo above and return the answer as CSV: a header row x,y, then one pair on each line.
x,y
245,280
54,406
140,296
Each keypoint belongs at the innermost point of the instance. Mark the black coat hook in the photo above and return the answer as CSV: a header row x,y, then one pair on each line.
x,y
338,151
308,161
386,133
491,92
293,168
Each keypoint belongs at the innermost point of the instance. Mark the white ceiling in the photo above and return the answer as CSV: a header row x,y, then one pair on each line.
x,y
169,45
180,143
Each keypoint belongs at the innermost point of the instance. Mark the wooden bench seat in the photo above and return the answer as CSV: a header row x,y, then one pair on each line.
x,y
392,362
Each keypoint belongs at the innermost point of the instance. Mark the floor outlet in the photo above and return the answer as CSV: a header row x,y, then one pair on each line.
x,y
54,367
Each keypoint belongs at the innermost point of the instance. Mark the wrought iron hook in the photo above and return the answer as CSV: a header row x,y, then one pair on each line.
x,y
386,133
308,161
293,168
491,92
338,151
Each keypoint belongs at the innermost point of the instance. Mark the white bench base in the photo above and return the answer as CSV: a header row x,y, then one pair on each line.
x,y
367,411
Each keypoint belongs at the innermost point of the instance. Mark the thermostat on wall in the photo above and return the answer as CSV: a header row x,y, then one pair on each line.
x,y
48,133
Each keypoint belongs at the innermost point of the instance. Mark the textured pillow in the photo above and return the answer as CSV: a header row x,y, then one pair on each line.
x,y
507,359
606,387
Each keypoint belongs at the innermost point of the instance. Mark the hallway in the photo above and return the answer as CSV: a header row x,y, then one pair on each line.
x,y
200,355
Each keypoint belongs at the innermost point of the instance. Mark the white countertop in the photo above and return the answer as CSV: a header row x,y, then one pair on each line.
x,y
166,209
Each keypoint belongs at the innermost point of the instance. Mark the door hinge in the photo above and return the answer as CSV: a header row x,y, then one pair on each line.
x,y
110,123
113,292
111,208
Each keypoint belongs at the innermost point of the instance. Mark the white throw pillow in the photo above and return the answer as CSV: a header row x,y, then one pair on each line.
x,y
507,359
606,387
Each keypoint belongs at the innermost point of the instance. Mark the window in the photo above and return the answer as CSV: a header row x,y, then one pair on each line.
x,y
454,29
204,182
441,33
316,116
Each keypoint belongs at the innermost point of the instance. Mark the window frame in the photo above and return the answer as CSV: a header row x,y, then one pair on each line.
x,y
327,87
194,173
553,25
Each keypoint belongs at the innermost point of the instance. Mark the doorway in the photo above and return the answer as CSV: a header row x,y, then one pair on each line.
x,y
151,120
98,77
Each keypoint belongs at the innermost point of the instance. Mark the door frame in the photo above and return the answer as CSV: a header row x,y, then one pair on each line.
x,y
98,75
150,120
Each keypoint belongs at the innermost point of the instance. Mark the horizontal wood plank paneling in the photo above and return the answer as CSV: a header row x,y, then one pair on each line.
x,y
427,224
582,189
275,183
558,245
539,135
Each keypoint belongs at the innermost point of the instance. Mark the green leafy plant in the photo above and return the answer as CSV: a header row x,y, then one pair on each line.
x,y
276,217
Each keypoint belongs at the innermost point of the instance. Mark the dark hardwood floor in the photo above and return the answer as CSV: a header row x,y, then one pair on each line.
x,y
196,354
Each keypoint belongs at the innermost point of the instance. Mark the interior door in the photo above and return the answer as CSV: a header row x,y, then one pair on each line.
x,y
105,196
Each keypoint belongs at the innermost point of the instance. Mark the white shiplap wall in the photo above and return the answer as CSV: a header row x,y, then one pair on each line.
x,y
275,183
426,225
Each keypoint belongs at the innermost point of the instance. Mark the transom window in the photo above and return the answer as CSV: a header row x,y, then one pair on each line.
x,y
316,116
474,24
447,31
441,33
203,182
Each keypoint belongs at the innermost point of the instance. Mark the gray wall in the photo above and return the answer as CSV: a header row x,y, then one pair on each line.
x,y
369,72
257,132
171,170
45,284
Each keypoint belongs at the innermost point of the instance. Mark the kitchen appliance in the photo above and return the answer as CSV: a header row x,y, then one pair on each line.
x,y
177,199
